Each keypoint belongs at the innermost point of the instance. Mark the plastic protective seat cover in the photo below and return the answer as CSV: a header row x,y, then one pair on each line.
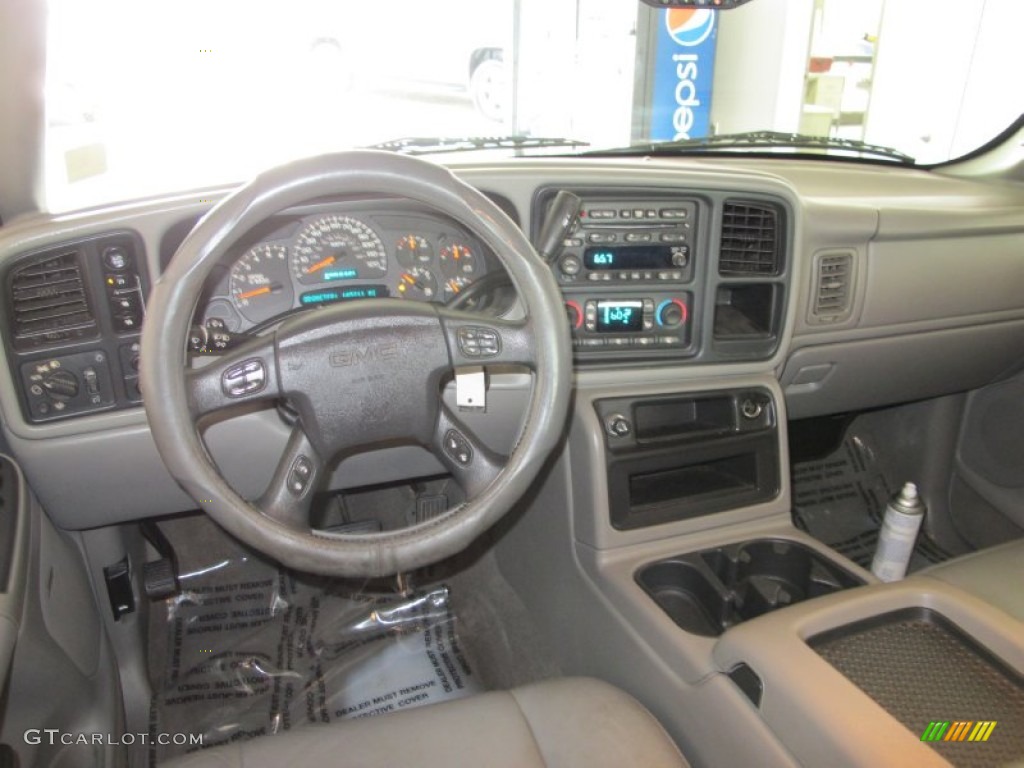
x,y
555,723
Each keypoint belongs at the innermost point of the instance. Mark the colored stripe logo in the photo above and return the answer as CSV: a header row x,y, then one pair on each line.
x,y
958,730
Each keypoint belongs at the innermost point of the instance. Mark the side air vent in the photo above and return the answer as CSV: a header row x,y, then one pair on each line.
x,y
48,301
833,288
751,240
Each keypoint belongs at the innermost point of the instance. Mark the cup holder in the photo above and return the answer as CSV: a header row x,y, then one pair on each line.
x,y
709,591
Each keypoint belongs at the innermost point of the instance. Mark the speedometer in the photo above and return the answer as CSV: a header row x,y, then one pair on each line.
x,y
334,248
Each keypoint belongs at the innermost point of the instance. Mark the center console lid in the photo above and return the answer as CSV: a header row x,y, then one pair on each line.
x,y
837,674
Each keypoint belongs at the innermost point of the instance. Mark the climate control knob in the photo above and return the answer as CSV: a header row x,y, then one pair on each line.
x,y
671,313
575,314
61,385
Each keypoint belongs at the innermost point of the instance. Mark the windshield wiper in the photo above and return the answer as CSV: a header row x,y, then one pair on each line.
x,y
758,140
432,145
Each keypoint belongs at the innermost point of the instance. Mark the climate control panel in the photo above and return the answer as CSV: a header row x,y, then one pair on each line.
x,y
656,320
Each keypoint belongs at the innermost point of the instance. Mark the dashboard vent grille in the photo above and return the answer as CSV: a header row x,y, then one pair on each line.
x,y
751,239
832,290
48,299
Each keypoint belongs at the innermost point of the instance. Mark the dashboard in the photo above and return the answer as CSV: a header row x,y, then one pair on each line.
x,y
822,278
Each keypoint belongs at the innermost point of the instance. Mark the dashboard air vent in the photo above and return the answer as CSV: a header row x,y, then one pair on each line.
x,y
48,300
832,289
751,240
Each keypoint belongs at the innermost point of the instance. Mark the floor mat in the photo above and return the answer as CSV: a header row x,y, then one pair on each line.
x,y
840,500
250,649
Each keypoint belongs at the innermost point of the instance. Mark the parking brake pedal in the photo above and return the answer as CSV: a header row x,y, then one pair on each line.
x,y
160,577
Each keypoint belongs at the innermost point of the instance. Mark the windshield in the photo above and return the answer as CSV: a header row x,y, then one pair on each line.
x,y
164,95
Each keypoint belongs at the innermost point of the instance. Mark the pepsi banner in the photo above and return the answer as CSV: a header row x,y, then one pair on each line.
x,y
684,63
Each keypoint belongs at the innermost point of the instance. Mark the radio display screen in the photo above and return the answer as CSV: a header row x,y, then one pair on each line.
x,y
631,257
620,316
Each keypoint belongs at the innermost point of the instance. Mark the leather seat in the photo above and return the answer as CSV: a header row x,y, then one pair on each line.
x,y
555,723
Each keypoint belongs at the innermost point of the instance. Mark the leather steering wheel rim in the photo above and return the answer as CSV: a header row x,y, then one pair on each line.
x,y
171,398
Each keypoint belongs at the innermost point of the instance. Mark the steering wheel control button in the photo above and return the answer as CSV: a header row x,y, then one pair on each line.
x,y
246,378
457,448
300,474
479,342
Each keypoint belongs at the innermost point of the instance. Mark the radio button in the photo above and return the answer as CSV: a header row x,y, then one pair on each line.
x,y
638,213
648,275
594,276
638,237
572,242
625,214
602,237
570,265
601,213
673,213
651,213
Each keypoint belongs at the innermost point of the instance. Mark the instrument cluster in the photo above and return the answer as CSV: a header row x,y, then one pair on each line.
x,y
342,255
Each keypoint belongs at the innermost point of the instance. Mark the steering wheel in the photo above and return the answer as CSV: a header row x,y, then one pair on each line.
x,y
360,375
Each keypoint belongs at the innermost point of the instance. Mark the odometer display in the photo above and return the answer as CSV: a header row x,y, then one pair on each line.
x,y
335,248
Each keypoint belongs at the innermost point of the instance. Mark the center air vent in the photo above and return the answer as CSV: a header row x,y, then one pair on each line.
x,y
48,301
751,240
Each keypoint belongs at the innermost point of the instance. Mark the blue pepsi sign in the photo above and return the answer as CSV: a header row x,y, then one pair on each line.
x,y
684,63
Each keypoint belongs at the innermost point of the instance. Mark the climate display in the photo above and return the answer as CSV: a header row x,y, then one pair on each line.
x,y
620,316
632,257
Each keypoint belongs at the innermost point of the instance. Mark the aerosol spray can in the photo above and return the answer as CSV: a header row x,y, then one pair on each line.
x,y
903,517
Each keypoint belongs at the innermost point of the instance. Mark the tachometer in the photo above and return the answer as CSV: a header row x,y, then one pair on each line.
x,y
335,248
259,283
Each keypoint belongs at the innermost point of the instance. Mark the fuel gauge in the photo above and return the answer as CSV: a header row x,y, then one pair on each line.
x,y
417,283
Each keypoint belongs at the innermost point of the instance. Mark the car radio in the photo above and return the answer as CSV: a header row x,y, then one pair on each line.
x,y
638,241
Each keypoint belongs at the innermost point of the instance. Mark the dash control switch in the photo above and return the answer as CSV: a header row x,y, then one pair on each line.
x,y
70,384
